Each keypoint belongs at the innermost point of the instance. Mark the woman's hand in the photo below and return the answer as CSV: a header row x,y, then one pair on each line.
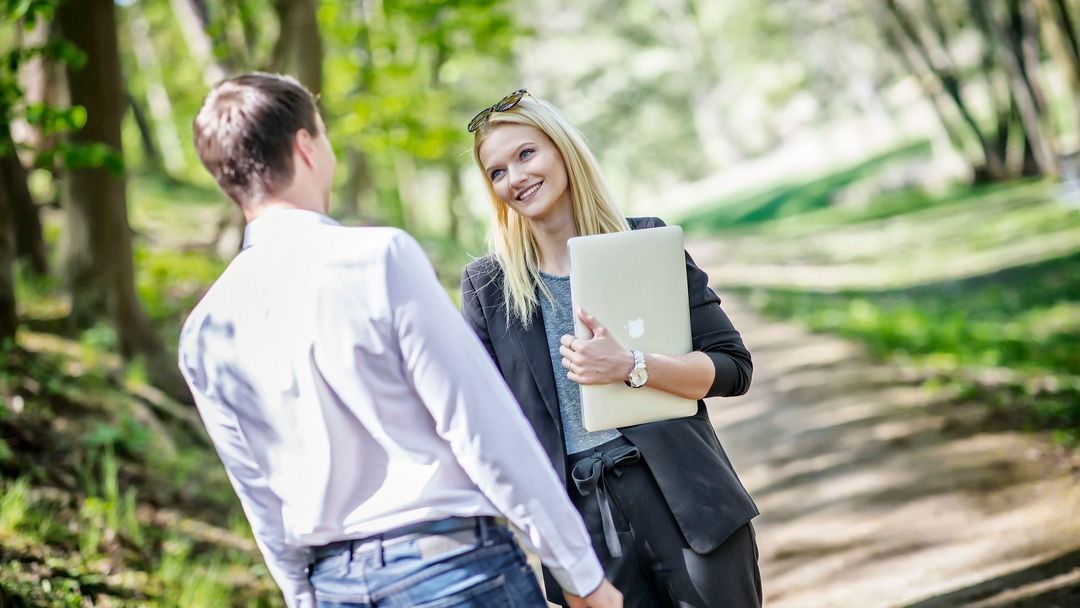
x,y
597,360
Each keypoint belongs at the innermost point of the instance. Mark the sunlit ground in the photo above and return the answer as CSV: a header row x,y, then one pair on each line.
x,y
876,492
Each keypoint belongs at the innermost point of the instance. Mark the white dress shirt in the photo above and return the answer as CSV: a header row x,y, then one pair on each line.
x,y
346,397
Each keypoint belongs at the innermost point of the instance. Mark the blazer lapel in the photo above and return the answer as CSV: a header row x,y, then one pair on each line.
x,y
534,347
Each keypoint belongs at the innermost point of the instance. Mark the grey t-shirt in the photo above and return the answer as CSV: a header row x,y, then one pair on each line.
x,y
558,321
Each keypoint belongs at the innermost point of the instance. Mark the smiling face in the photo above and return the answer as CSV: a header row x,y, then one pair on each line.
x,y
526,171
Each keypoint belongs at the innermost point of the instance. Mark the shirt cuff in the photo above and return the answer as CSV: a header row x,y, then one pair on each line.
x,y
581,578
301,596
305,600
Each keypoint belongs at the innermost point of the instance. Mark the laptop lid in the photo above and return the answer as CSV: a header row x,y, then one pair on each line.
x,y
634,283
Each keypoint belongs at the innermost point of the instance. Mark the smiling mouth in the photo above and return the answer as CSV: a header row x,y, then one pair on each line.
x,y
529,191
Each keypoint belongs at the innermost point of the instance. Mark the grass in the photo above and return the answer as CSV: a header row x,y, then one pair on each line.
x,y
978,286
87,478
111,494
792,199
1015,330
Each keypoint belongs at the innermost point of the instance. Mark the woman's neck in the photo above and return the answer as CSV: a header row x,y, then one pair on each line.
x,y
551,235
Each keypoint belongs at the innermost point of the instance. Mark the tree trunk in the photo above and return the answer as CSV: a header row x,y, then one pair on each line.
x,y
230,233
908,57
1001,101
161,110
1023,88
146,133
994,166
298,51
8,318
356,196
96,242
1063,46
405,209
1069,33
453,196
23,213
716,137
191,15
41,81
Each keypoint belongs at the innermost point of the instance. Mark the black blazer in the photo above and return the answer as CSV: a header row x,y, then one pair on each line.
x,y
684,455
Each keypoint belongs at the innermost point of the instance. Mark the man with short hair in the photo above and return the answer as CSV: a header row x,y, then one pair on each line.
x,y
370,439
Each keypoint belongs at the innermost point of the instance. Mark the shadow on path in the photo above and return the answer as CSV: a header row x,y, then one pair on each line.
x,y
875,491
1054,583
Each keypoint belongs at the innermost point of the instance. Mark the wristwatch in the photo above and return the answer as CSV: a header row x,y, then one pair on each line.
x,y
639,375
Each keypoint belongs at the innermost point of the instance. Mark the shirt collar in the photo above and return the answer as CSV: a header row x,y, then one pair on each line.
x,y
281,222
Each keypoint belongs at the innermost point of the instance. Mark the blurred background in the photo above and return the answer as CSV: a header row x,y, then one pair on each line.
x,y
885,193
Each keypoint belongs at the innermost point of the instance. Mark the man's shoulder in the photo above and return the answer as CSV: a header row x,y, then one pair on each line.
x,y
359,239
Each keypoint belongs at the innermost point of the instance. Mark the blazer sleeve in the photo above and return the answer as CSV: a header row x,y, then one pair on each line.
x,y
713,333
473,311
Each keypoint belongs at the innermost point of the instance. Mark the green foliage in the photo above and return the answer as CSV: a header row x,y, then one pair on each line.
x,y
191,580
401,83
84,156
170,282
1024,319
52,121
49,120
104,470
5,451
128,437
792,200
26,518
395,75
100,337
14,505
29,11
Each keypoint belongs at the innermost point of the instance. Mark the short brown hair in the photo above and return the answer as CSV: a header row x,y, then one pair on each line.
x,y
245,128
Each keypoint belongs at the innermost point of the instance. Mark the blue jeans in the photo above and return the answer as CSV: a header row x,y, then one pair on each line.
x,y
454,563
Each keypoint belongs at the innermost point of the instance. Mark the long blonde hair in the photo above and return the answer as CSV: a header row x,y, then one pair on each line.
x,y
510,239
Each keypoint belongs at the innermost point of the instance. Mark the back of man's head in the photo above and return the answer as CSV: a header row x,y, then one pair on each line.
x,y
244,132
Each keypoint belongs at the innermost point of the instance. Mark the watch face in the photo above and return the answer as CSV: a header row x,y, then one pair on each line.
x,y
638,376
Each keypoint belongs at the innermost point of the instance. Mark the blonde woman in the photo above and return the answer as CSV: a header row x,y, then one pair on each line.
x,y
667,514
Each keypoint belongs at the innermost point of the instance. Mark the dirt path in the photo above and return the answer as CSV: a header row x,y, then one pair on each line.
x,y
873,492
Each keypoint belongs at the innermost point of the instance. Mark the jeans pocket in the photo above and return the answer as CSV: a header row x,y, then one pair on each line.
x,y
491,593
330,567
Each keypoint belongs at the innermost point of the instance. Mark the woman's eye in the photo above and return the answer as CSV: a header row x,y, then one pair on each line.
x,y
496,174
526,153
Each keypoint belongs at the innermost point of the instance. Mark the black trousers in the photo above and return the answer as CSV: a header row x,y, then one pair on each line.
x,y
656,568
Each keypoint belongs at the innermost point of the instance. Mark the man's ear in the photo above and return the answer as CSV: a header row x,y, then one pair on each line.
x,y
304,145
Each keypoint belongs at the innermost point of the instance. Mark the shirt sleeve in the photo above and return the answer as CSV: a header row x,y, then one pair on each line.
x,y
476,414
287,564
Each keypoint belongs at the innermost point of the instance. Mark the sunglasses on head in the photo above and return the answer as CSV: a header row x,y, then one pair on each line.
x,y
502,105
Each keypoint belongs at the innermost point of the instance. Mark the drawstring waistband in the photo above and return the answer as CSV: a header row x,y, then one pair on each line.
x,y
588,475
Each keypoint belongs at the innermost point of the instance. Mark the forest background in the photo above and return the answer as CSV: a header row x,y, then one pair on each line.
x,y
902,173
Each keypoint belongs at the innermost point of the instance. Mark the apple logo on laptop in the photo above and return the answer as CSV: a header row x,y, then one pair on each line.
x,y
635,327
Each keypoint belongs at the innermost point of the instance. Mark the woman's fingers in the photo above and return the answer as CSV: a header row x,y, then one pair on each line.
x,y
573,355
581,379
591,322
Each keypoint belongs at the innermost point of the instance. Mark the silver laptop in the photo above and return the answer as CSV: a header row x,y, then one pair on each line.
x,y
634,283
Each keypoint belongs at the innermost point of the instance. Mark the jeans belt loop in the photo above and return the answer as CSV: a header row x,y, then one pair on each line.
x,y
380,559
483,530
